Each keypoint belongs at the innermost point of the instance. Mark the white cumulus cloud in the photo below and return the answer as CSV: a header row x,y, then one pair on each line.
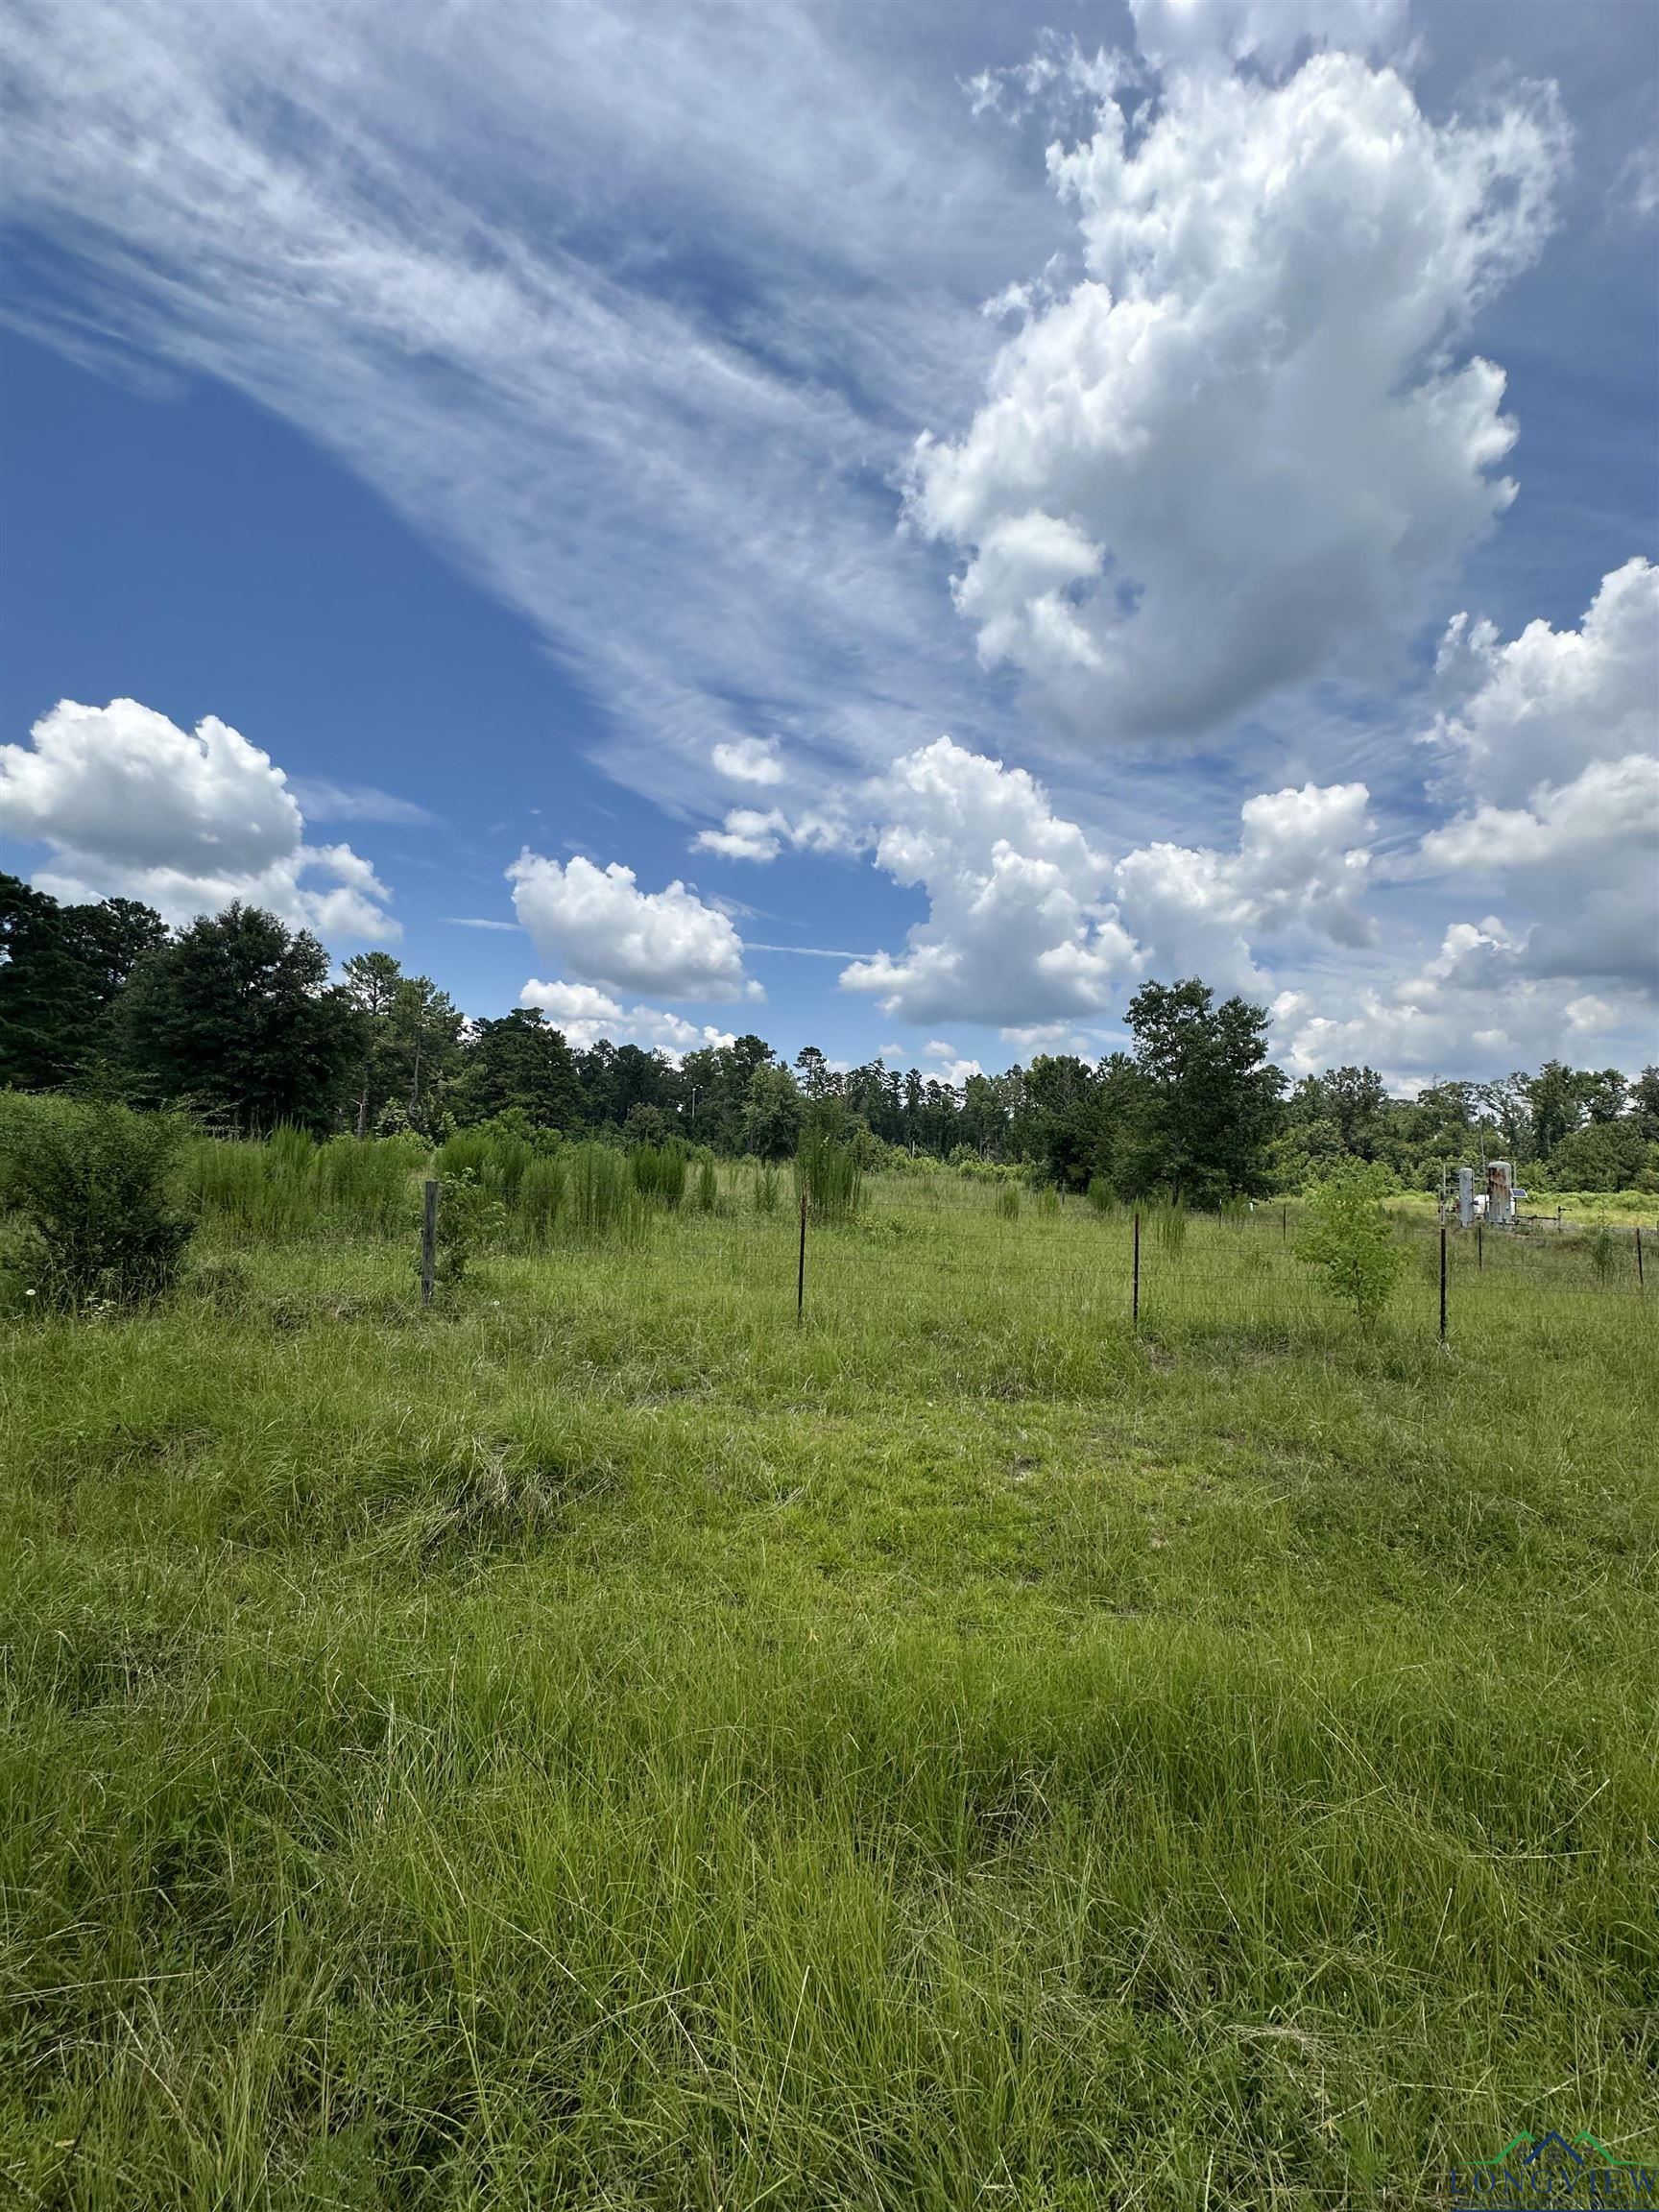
x,y
1555,740
585,1015
1242,445
133,806
1020,929
1301,866
597,923
750,760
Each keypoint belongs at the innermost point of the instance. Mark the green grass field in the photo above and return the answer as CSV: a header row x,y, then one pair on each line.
x,y
604,1745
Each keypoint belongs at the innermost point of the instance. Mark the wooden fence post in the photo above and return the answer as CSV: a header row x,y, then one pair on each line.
x,y
1640,1277
801,1269
428,1239
1135,1294
1284,1224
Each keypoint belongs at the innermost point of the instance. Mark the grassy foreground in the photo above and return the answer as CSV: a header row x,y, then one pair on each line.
x,y
604,1746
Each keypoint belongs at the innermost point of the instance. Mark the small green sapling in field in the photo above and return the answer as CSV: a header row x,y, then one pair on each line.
x,y
1347,1235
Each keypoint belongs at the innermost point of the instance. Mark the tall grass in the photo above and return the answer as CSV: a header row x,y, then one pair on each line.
x,y
541,1199
1167,1220
829,1176
607,1746
496,1159
658,1173
370,1184
600,1197
256,1189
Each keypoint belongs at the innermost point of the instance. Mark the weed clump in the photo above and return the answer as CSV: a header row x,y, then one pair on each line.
x,y
658,1173
828,1177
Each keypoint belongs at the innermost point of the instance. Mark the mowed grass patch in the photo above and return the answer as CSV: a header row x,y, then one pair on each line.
x,y
608,1745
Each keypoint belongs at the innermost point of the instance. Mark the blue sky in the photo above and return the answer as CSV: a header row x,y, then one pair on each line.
x,y
485,440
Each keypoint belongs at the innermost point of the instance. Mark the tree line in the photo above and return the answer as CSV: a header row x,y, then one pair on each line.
x,y
235,1018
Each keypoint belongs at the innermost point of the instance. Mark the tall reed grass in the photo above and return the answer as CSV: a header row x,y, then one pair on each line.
x,y
658,1173
600,1197
828,1177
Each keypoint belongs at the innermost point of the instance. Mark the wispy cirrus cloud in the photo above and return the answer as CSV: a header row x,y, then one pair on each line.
x,y
672,454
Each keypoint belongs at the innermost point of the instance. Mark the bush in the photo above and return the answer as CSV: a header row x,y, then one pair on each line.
x,y
97,1190
1103,1196
706,1195
767,1188
1008,1201
1346,1234
469,1215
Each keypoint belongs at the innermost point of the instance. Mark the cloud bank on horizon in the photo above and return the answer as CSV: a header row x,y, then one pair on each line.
x,y
1171,438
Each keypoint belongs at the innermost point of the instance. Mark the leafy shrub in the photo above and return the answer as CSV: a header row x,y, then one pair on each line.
x,y
1347,1235
97,1190
1103,1196
1008,1201
468,1217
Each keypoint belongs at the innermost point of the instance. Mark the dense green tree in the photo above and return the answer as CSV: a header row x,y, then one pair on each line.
x,y
714,1090
519,1061
981,1121
421,1051
1061,1124
60,969
817,1078
1603,1092
1507,1105
1201,1120
649,1125
1644,1103
235,1018
1603,1156
617,1078
773,1113
370,983
1556,1101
